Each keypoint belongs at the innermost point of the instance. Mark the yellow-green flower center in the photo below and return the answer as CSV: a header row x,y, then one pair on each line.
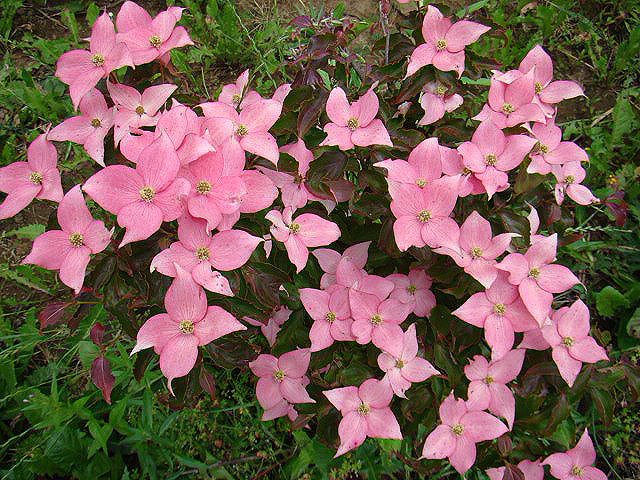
x,y
440,91
96,123
376,320
490,160
499,309
241,131
576,472
543,149
330,317
155,41
538,88
76,240
202,254
236,99
352,124
186,327
534,273
567,341
399,363
411,289
140,110
294,228
569,180
420,183
35,178
97,60
203,188
466,172
147,194
476,252
278,376
457,430
424,216
441,45
487,380
507,108
363,410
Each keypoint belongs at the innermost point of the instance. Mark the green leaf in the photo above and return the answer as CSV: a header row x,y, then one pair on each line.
x,y
608,300
100,434
28,232
92,13
70,22
633,325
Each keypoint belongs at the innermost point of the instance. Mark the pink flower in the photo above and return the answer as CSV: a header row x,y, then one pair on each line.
x,y
490,154
365,413
282,378
478,249
568,177
576,463
145,197
150,39
81,69
500,311
550,150
444,43
534,224
355,124
306,230
402,365
488,389
530,470
422,215
331,315
232,94
435,102
376,321
69,249
413,289
536,277
188,324
133,109
568,336
199,253
423,166
38,177
281,409
89,128
356,279
330,259
462,427
271,329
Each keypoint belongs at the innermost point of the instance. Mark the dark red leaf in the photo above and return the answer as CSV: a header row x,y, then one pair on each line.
x,y
102,378
97,334
208,383
52,314
617,207
310,113
505,445
511,472
302,21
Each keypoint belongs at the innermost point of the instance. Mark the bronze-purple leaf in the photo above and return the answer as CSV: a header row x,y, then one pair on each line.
x,y
208,383
97,334
52,314
102,378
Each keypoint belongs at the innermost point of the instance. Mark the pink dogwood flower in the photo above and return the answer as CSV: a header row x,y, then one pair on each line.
x,y
490,154
530,470
202,255
145,197
568,336
478,249
358,280
188,324
576,463
551,150
306,230
462,427
38,177
150,39
444,43
488,389
282,378
89,128
330,259
501,312
232,94
365,413
354,124
413,289
536,277
82,69
135,109
435,102
534,224
568,178
271,329
402,366
422,215
331,315
377,321
69,250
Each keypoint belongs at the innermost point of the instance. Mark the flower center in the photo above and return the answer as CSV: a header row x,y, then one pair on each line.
x,y
411,289
487,380
97,60
140,110
76,240
424,216
35,178
330,317
499,309
236,99
441,45
490,160
507,108
543,149
457,430
567,341
466,171
376,320
96,123
534,273
352,124
155,41
399,363
569,180
241,131
363,410
186,327
420,183
147,194
202,254
476,252
440,90
294,228
576,472
538,88
203,188
278,376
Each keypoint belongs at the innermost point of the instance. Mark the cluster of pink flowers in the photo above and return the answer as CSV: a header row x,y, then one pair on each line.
x,y
180,166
